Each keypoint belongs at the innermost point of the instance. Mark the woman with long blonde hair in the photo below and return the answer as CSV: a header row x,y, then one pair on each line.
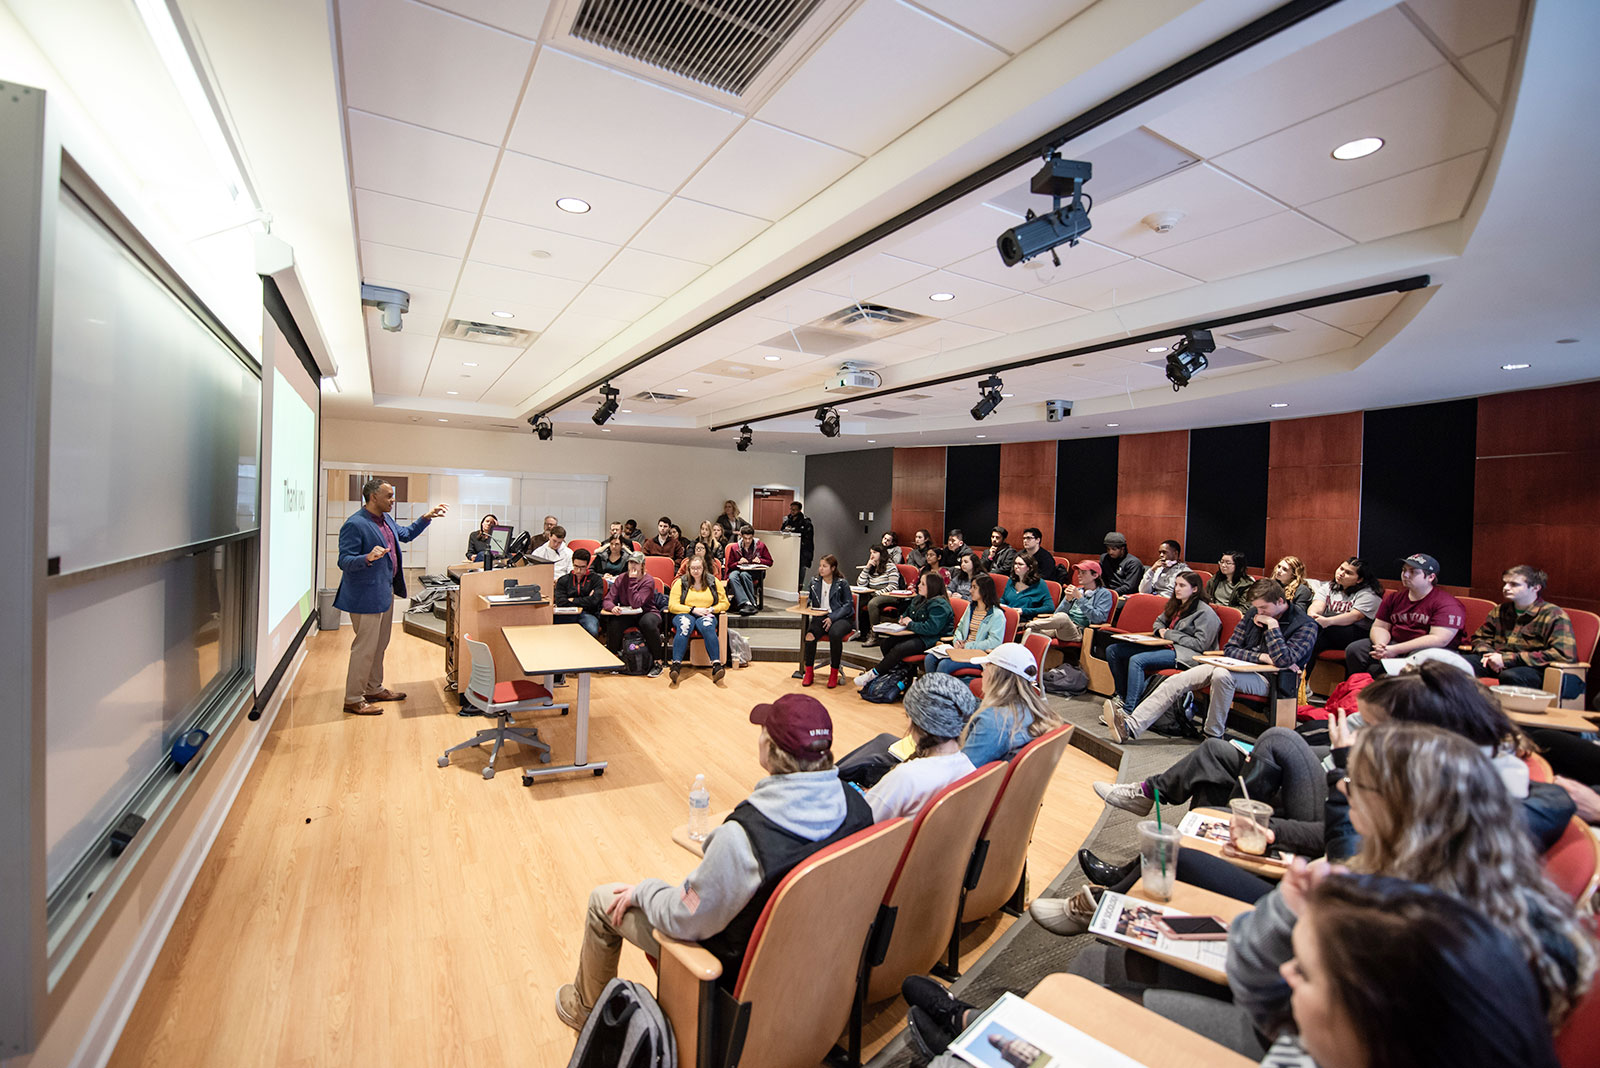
x,y
1013,711
1291,575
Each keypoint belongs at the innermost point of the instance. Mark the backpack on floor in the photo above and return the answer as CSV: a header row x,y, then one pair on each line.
x,y
1179,720
1065,681
889,685
626,1030
635,657
739,649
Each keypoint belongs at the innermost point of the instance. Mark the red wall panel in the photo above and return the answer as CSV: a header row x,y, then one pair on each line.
x,y
1028,488
917,501
1152,490
1314,491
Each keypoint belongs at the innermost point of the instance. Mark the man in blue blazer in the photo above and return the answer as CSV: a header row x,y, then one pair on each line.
x,y
369,556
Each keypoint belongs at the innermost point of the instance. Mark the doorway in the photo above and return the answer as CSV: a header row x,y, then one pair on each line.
x,y
769,507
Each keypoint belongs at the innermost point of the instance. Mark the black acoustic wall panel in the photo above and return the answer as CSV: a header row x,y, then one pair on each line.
x,y
839,487
1086,491
1228,493
1418,465
972,492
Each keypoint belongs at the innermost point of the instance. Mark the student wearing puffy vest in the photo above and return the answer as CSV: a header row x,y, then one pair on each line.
x,y
797,810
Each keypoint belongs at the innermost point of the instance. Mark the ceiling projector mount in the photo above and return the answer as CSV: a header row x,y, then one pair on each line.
x,y
1062,226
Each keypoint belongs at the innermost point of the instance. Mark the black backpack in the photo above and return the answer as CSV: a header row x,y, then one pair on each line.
x,y
635,657
626,1030
889,685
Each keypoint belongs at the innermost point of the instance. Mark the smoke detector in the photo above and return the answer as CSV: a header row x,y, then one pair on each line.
x,y
1163,222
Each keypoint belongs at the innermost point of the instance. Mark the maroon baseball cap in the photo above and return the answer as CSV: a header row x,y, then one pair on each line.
x,y
798,724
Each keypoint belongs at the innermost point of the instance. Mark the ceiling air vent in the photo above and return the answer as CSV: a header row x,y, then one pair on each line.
x,y
488,333
724,44
650,397
1255,332
852,325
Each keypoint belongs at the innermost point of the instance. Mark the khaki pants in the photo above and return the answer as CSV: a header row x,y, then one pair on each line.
x,y
1059,625
602,943
366,654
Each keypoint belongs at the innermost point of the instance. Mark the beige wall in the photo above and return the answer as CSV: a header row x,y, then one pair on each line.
x,y
646,481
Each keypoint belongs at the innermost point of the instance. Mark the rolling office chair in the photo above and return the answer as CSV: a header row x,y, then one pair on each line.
x,y
500,700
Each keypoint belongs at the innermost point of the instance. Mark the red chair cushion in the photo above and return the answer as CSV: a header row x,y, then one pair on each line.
x,y
1333,655
513,690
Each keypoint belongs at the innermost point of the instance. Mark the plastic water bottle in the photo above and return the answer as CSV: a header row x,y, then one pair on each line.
x,y
699,809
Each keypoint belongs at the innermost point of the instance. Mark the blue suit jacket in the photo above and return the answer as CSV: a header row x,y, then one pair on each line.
x,y
370,588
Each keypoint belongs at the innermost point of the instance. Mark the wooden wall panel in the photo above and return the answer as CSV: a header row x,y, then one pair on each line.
x,y
1153,490
1314,491
1028,488
918,500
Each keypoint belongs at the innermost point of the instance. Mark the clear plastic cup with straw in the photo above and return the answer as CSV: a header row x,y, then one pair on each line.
x,y
1158,855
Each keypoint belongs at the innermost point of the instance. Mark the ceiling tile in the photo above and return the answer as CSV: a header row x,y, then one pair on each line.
x,y
598,119
1489,67
1022,312
527,375
867,272
768,172
508,244
574,335
1013,25
404,267
940,335
1432,117
517,287
796,306
522,17
1355,316
858,94
412,224
1209,200
452,368
399,361
1373,53
1465,26
408,161
646,272
1282,238
1410,202
1127,282
480,309
613,303
691,230
947,236
526,189
1303,337
968,293
418,64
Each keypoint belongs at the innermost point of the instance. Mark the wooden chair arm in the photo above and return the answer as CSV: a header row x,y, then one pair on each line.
x,y
696,961
686,991
1577,666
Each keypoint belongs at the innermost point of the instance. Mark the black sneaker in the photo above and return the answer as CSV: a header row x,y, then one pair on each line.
x,y
672,674
717,671
655,670
935,1002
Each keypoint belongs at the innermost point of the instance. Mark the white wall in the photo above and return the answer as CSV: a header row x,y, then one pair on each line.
x,y
646,481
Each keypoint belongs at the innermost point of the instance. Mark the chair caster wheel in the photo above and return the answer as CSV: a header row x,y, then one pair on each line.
x,y
544,758
599,772
488,773
444,762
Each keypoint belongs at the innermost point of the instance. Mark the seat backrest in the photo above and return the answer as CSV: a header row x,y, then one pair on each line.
x,y
1038,645
999,585
815,925
1579,1037
1586,631
959,606
1140,611
480,676
1055,590
1573,863
1009,827
1013,621
583,543
1207,575
660,568
1478,611
1116,607
1229,618
908,576
926,888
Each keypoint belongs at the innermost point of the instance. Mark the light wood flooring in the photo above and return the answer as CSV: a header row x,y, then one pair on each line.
x,y
364,906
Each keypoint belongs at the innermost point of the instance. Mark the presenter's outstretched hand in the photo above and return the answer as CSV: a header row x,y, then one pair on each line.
x,y
376,554
436,511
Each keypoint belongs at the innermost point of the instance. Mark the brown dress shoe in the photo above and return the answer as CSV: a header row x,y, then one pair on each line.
x,y
365,708
386,694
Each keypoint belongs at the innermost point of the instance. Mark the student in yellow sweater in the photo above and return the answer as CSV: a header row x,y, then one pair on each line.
x,y
696,600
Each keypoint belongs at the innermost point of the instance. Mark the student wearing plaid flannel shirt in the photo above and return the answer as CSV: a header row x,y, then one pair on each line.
x,y
1525,634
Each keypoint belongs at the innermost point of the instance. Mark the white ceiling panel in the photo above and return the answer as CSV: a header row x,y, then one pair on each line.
x,y
479,309
467,367
968,293
508,244
1488,67
1125,283
944,238
1304,337
866,273
418,64
884,70
526,190
1013,25
1432,117
575,334
691,230
1356,316
1281,238
1373,53
612,303
647,272
399,361
1411,201
404,267
986,266
940,335
1021,312
599,119
1209,200
796,306
1467,25
768,172
408,161
517,287
412,224
520,380
522,17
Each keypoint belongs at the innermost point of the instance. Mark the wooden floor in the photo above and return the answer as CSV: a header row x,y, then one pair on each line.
x,y
364,906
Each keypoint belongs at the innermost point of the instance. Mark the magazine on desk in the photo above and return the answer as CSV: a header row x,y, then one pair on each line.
x,y
1218,829
1132,922
1012,1033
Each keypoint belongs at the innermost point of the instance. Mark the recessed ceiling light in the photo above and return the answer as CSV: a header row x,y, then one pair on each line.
x,y
1361,146
468,363
444,420
1113,424
502,315
574,206
1515,366
542,254
1566,341
794,450
453,392
1155,348
605,430
1008,394
841,410
772,359
872,441
941,297
683,389
1280,404
627,411
983,435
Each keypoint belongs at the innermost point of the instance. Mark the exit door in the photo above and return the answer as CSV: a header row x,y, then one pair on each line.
x,y
769,507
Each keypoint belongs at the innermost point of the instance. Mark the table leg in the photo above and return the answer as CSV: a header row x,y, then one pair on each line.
x,y
580,747
805,624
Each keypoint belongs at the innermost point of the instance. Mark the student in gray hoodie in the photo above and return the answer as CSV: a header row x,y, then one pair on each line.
x,y
798,809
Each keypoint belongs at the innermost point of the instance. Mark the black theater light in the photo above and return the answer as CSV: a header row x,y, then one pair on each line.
x,y
608,404
828,421
745,437
990,390
1188,357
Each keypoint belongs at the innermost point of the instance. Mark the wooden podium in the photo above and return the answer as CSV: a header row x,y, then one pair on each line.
x,y
472,614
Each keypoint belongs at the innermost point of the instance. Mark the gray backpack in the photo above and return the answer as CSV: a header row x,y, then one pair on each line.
x,y
1065,681
626,1030
739,649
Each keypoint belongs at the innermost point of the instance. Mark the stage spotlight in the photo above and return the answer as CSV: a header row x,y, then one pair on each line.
x,y
744,438
828,422
990,389
541,426
1188,357
608,404
1061,226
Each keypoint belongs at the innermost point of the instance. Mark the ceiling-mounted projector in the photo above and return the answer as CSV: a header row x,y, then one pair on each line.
x,y
851,379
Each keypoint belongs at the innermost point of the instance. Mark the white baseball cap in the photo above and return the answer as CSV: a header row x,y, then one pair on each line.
x,y
1014,658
